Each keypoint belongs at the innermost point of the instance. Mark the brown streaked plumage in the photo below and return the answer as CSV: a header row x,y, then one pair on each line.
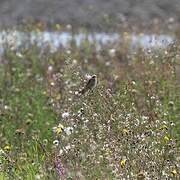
x,y
90,84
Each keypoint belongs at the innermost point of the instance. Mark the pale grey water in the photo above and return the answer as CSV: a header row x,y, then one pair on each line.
x,y
55,40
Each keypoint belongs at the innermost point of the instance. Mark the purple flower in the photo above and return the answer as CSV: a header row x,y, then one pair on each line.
x,y
59,167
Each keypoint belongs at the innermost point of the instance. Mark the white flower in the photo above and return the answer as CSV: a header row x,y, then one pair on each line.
x,y
107,63
153,97
74,61
52,83
37,176
6,107
68,130
19,54
56,142
144,118
151,62
69,27
65,115
76,92
60,151
133,82
50,68
95,115
68,147
68,51
2,153
112,52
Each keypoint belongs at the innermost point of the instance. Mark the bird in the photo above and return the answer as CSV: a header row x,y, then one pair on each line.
x,y
91,84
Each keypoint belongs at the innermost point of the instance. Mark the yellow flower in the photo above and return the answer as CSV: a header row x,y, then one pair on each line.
x,y
166,138
126,34
58,130
123,162
7,148
44,93
37,30
173,173
125,131
58,26
163,127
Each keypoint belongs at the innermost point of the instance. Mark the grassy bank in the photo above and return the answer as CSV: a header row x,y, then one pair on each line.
x,y
127,127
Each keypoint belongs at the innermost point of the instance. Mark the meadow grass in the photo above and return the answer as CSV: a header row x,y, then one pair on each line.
x,y
126,128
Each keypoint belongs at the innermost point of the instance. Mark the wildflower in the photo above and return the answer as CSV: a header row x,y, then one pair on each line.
x,y
149,51
126,36
37,30
60,151
52,83
7,148
68,51
68,130
69,27
58,26
133,83
123,162
68,147
166,138
19,132
59,167
95,115
28,121
56,142
74,61
58,130
112,52
163,127
6,107
38,176
18,54
50,68
173,173
125,131
81,112
58,97
134,91
45,142
153,97
44,93
107,63
65,115
151,62
144,118
172,124
171,20
76,92
2,152
140,176
171,104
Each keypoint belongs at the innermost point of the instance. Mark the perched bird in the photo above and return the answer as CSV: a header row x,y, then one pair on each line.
x,y
92,82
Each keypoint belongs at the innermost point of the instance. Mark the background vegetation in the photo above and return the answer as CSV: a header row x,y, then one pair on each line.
x,y
126,128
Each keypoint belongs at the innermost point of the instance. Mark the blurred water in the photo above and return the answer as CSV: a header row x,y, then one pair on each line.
x,y
55,40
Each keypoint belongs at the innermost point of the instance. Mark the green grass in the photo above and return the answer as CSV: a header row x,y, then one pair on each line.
x,y
127,127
